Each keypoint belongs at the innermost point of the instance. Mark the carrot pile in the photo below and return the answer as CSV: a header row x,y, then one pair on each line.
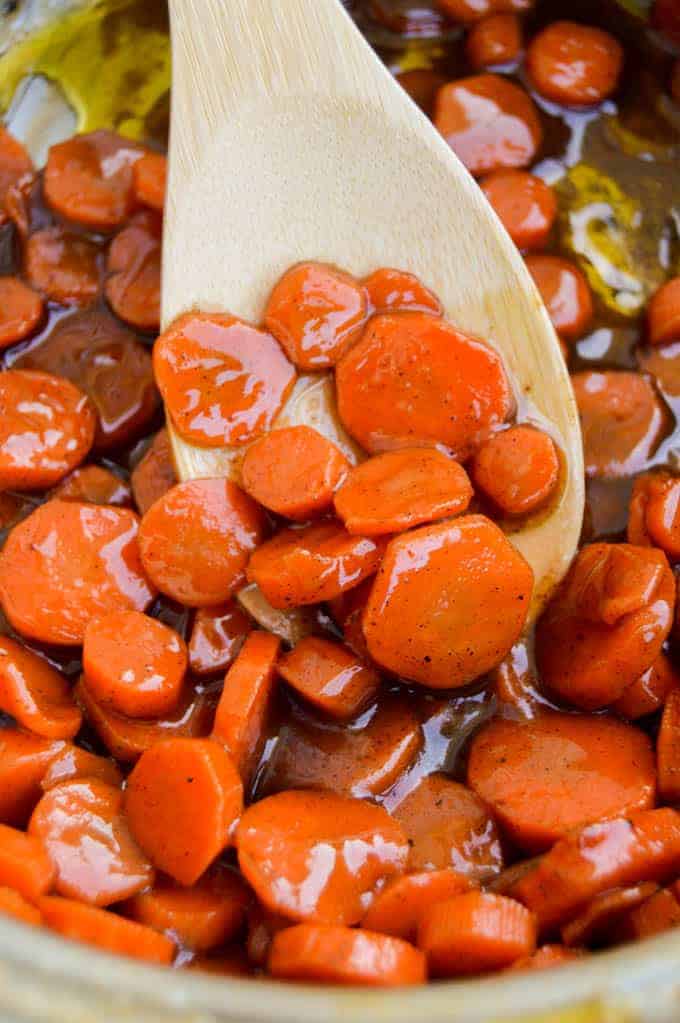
x,y
289,723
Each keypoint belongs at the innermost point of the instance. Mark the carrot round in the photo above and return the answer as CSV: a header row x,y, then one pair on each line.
x,y
106,930
133,287
663,313
149,180
329,676
471,11
413,379
342,955
84,562
668,750
517,469
223,381
525,205
217,635
154,474
547,957
654,515
316,312
15,163
25,863
401,905
35,694
75,762
294,472
574,64
15,905
195,540
169,782
565,292
659,913
649,692
282,841
595,923
47,427
397,290
494,40
558,771
94,485
24,760
63,266
21,311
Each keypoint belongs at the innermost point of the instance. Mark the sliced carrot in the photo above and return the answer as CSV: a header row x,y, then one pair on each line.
x,y
489,122
63,266
106,930
401,905
21,311
89,178
668,750
448,826
408,19
470,11
75,762
659,913
15,163
294,472
316,312
654,515
459,591
96,859
330,676
574,64
558,771
662,362
526,206
84,562
133,287
341,955
663,313
245,704
195,540
47,427
415,380
517,469
283,840
594,924
149,177
548,956
35,694
565,292
24,760
25,864
347,610
166,786
223,381
94,485
23,203
649,692
309,565
217,635
397,290
155,474
14,904
494,40
474,933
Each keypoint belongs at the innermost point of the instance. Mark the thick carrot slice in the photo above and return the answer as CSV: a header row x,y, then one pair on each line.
x,y
89,178
217,635
474,933
654,515
448,826
14,904
565,292
134,664
489,122
606,623
316,563
330,676
459,591
25,863
659,913
24,760
63,266
494,40
87,839
15,163
294,472
517,469
195,540
594,924
668,750
663,312
401,905
397,290
282,840
133,288
106,930
649,692
526,206
574,64
35,694
149,178
47,427
547,957
544,777
74,762
165,788
94,485
84,562
245,704
155,474
415,380
21,311
223,381
316,312
341,955
399,489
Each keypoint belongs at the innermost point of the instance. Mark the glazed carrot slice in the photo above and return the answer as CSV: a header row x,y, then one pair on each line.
x,y
217,635
14,904
63,266
82,827
401,905
515,682
149,179
89,178
668,750
245,704
556,772
35,694
21,311
517,469
204,916
659,913
94,485
281,839
316,312
494,40
654,514
574,64
84,562
565,292
134,664
25,864
649,692
448,826
474,933
133,287
461,593
397,290
399,489
663,313
24,760
548,956
489,122
195,540
15,163
414,380
470,11
106,930
155,474
47,428
166,786
329,676
294,472
606,623
341,955
223,381
75,762
593,925
525,205
309,565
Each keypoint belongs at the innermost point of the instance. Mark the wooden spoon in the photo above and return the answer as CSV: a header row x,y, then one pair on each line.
x,y
291,141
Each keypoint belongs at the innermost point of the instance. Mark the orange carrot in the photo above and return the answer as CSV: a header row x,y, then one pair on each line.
x,y
94,485
329,676
133,287
63,266
397,290
548,956
14,904
25,863
668,750
565,292
659,913
155,474
594,924
35,694
75,762
217,635
402,903
24,760
649,692
15,163
21,310
517,469
106,930
574,64
494,40
663,313
654,515
525,205
149,179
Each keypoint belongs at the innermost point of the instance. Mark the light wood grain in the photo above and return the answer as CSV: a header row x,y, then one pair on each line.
x,y
291,141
